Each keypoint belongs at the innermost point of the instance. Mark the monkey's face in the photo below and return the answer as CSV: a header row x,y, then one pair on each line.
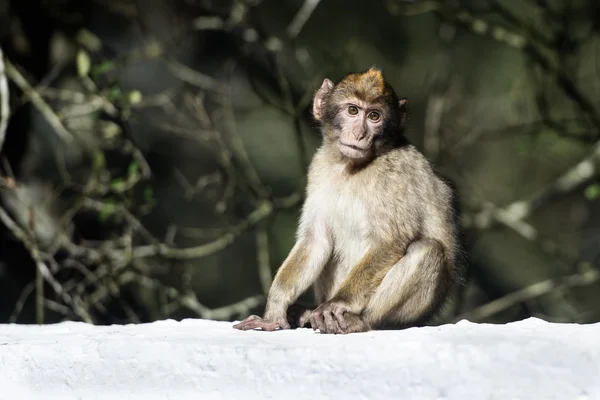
x,y
360,115
356,126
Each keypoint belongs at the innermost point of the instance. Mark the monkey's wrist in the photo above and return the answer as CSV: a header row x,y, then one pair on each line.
x,y
274,313
352,305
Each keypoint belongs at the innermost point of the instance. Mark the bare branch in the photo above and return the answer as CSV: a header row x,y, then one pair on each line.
x,y
39,291
236,142
529,293
209,23
4,100
241,307
59,308
187,300
264,210
513,215
433,120
42,268
263,258
25,293
302,16
193,77
190,301
38,102
120,209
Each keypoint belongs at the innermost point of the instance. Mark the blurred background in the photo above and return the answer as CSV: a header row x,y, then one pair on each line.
x,y
154,152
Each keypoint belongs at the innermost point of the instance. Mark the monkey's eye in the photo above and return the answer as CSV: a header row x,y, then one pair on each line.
x,y
374,116
352,110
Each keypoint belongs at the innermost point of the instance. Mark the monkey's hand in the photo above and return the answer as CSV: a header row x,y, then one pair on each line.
x,y
337,317
267,324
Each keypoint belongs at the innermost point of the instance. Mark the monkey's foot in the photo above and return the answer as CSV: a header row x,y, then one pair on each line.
x,y
334,317
298,316
256,322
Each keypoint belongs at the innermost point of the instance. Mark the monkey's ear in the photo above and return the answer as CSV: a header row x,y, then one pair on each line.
x,y
403,108
319,100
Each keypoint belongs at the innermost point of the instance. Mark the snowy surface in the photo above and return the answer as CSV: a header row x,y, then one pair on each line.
x,y
196,359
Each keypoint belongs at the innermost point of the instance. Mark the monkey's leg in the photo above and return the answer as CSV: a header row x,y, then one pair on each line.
x,y
413,289
342,313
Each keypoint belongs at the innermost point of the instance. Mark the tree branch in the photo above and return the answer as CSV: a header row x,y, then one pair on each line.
x,y
4,100
301,17
264,210
38,102
529,293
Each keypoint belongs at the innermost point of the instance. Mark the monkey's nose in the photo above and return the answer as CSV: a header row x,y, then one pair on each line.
x,y
359,134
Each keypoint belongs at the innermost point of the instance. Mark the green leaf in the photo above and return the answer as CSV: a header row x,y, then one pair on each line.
x,y
99,160
134,97
102,68
118,184
149,195
592,192
133,169
110,129
115,93
83,63
89,40
108,208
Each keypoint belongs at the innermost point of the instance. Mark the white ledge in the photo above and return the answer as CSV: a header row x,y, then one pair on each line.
x,y
197,359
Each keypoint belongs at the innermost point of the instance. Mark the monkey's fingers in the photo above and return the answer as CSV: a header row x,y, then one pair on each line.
x,y
331,323
256,322
338,313
317,321
270,326
248,323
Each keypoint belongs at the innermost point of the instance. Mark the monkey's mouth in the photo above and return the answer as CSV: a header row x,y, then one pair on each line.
x,y
357,148
353,151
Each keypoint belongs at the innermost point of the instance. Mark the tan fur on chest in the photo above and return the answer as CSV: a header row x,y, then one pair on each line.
x,y
344,213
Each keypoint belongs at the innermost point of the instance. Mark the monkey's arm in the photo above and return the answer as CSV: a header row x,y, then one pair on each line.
x,y
299,270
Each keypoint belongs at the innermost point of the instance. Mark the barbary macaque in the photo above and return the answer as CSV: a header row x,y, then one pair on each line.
x,y
377,237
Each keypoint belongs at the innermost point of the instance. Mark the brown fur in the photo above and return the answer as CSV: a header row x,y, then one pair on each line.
x,y
377,237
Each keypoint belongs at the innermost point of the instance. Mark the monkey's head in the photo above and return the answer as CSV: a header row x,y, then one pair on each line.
x,y
361,114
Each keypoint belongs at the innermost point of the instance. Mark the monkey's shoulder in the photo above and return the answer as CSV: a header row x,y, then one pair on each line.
x,y
406,153
408,170
406,161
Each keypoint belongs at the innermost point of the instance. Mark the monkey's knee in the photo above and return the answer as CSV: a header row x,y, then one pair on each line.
x,y
355,324
424,248
413,288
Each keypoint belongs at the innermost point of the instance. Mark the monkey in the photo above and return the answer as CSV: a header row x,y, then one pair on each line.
x,y
377,236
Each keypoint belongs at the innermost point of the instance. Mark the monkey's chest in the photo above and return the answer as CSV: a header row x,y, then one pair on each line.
x,y
349,222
